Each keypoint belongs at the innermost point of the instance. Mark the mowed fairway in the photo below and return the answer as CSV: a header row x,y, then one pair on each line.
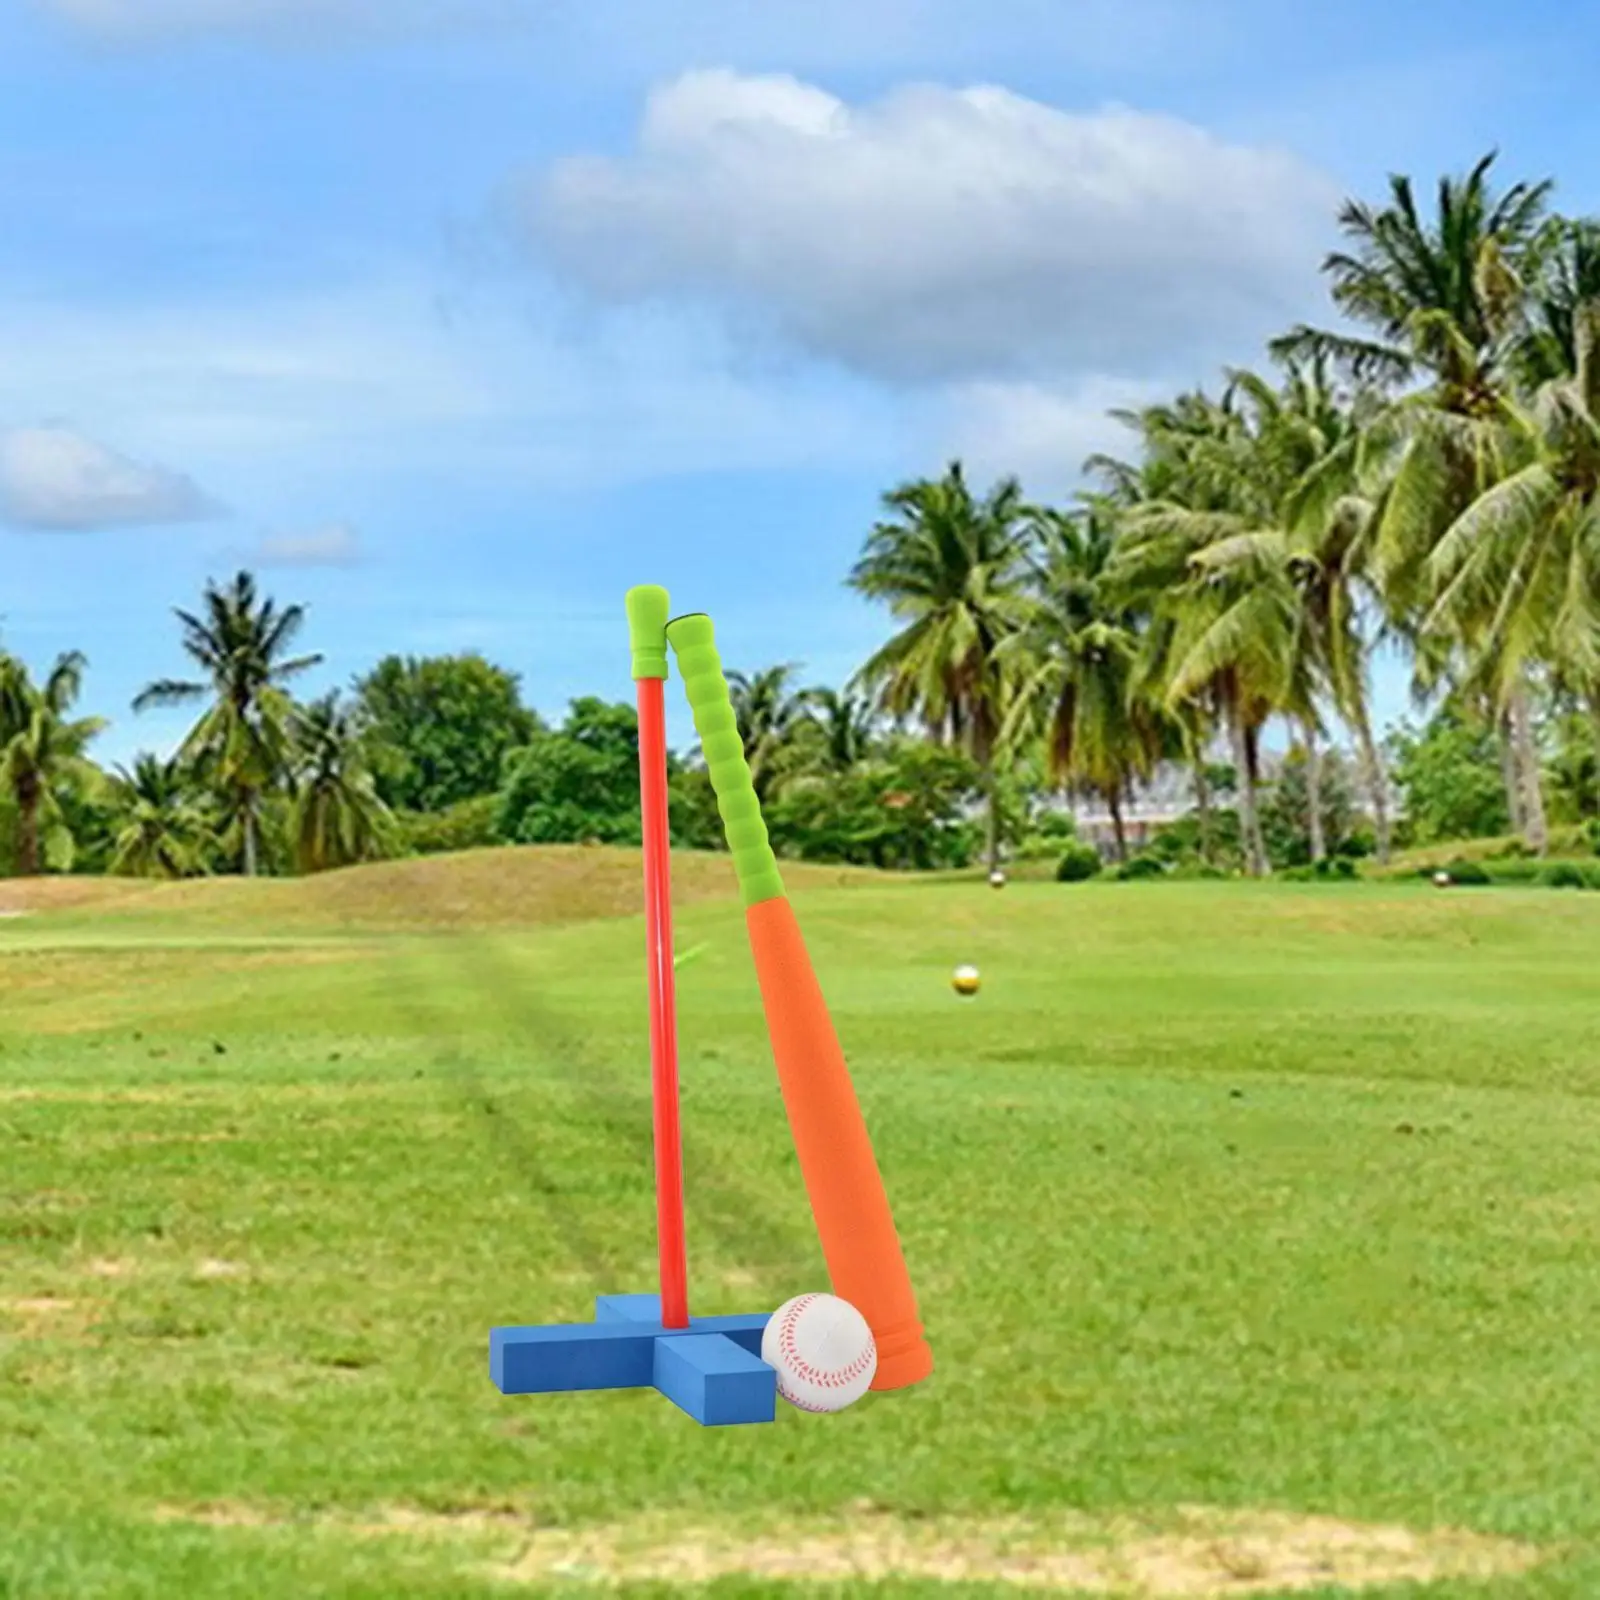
x,y
1255,1228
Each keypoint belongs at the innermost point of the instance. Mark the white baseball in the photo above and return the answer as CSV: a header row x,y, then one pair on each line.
x,y
821,1348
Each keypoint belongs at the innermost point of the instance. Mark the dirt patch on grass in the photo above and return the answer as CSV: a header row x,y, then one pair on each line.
x,y
1193,1554
103,1268
1212,1555
221,1269
37,1305
47,1317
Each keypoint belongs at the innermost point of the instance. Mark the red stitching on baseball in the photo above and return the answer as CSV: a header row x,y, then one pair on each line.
x,y
834,1378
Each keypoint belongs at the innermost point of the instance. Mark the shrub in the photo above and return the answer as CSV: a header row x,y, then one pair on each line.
x,y
1342,868
1047,834
1592,830
1517,869
1079,863
1468,872
1137,867
1037,847
1330,869
1563,875
467,825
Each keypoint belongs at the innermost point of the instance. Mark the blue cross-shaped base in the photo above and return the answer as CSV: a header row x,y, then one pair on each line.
x,y
712,1369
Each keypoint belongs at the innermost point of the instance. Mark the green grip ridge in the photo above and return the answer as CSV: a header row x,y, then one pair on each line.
x,y
694,643
648,610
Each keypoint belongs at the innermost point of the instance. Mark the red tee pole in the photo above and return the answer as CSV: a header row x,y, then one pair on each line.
x,y
658,944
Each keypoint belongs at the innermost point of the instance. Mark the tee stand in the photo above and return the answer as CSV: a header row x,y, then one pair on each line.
x,y
709,1366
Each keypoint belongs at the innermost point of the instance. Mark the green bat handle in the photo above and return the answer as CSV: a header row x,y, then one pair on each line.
x,y
694,643
648,610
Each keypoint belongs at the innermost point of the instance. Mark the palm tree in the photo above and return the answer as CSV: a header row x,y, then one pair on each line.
x,y
1198,551
338,818
1309,436
1441,295
242,740
1330,551
1079,682
1448,301
844,726
951,569
1564,278
1517,574
767,710
164,828
41,746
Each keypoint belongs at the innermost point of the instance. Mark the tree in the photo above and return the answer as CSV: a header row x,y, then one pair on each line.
x,y
578,783
1448,777
1199,552
338,819
41,748
1080,667
905,808
162,828
767,711
1573,768
1448,301
1440,295
1517,574
439,728
693,818
1303,828
1319,434
1564,278
950,567
839,728
242,742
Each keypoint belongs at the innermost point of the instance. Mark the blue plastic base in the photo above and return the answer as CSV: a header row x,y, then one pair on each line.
x,y
712,1369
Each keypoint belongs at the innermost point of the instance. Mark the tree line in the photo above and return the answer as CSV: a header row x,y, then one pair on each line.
x,y
426,754
1424,480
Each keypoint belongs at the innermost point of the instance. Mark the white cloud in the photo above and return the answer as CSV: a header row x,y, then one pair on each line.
x,y
335,545
1037,433
54,478
283,402
941,234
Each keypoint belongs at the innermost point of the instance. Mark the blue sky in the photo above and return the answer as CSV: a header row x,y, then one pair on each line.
x,y
454,320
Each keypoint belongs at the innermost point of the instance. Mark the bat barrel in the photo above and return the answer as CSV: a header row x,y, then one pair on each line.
x,y
855,1225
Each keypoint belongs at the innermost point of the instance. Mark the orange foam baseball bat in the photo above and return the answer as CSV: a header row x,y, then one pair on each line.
x,y
854,1223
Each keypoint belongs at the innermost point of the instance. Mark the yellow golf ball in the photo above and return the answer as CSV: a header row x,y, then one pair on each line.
x,y
964,980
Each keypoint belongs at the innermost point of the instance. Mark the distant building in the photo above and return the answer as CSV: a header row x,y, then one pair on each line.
x,y
1166,798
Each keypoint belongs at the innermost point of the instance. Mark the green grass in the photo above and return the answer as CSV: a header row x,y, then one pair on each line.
x,y
1256,1198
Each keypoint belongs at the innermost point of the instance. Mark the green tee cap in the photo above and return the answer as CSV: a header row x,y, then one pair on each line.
x,y
648,610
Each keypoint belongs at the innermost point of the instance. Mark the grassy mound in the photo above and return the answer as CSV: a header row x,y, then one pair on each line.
x,y
496,888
